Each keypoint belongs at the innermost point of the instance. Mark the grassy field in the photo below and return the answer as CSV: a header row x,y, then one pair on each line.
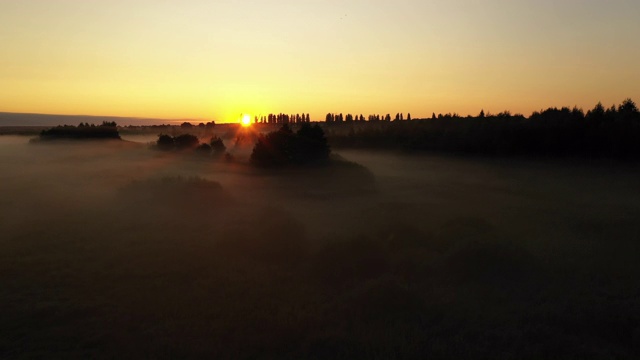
x,y
112,250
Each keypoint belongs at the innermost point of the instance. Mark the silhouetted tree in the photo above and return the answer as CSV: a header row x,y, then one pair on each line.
x,y
310,145
597,112
274,148
217,146
628,107
185,141
329,118
81,132
283,147
204,149
165,142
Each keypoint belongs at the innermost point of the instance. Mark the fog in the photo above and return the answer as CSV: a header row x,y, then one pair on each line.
x,y
112,249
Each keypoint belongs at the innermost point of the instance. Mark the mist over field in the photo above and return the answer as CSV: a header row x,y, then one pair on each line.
x,y
112,249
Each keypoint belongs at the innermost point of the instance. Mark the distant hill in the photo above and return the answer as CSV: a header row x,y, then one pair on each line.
x,y
24,119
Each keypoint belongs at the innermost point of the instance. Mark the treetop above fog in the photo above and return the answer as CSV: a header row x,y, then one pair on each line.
x,y
284,147
188,141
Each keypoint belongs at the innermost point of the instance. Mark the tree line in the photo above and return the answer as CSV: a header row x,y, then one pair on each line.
x,y
215,146
281,119
348,118
600,131
106,130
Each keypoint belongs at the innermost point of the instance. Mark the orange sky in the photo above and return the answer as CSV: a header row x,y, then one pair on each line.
x,y
217,59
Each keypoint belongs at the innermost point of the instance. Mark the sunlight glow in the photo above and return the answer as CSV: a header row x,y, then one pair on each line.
x,y
317,57
246,120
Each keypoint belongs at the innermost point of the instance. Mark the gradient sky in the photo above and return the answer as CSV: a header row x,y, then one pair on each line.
x,y
216,59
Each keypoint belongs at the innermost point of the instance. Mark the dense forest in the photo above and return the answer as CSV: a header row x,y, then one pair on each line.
x,y
606,132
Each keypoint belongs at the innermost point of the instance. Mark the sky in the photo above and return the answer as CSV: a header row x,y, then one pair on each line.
x,y
217,59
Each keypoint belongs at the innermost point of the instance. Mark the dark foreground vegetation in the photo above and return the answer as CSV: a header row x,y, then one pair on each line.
x,y
600,132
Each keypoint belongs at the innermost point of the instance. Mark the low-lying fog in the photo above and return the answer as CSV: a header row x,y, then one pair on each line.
x,y
117,250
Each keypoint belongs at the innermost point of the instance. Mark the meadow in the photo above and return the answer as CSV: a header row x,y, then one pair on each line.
x,y
110,249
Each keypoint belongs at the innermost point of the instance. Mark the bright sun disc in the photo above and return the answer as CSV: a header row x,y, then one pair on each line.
x,y
246,120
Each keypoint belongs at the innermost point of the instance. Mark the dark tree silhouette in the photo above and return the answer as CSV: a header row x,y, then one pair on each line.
x,y
283,147
329,118
185,141
628,107
107,130
611,132
217,146
274,148
165,142
310,145
204,149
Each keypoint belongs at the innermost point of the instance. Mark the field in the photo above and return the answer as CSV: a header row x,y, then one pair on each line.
x,y
113,250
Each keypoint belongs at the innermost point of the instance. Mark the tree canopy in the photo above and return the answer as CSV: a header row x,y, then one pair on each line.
x,y
284,147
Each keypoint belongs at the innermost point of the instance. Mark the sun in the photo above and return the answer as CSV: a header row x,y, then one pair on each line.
x,y
246,120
